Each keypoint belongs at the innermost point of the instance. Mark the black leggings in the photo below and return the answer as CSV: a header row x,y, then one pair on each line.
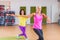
x,y
39,33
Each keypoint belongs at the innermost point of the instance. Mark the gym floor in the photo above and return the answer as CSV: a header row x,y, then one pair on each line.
x,y
51,32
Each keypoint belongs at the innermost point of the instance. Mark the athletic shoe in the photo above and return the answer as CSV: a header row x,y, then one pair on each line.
x,y
17,37
26,39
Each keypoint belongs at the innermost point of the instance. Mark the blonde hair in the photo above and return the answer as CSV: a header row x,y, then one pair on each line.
x,y
39,7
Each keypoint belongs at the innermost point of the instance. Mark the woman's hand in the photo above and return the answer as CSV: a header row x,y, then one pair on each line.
x,y
12,15
7,14
48,20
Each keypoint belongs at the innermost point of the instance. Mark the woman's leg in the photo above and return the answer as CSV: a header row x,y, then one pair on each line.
x,y
23,29
39,33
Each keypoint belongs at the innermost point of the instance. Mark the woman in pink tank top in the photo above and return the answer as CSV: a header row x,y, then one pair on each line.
x,y
37,26
38,21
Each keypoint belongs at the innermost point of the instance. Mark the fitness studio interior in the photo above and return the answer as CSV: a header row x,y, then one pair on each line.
x,y
9,22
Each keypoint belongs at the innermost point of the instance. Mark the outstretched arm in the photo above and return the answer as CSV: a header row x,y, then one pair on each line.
x,y
31,15
16,15
19,15
48,19
28,16
45,16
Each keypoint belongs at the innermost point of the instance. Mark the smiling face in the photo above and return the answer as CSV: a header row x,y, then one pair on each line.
x,y
38,9
22,12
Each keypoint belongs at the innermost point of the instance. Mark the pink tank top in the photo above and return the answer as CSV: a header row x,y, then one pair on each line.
x,y
37,21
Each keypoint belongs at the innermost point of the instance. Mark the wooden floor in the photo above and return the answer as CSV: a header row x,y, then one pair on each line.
x,y
51,32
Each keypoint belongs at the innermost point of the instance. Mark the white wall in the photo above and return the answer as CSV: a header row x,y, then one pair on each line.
x,y
52,8
55,13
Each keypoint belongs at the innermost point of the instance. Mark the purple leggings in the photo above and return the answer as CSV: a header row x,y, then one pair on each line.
x,y
23,29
